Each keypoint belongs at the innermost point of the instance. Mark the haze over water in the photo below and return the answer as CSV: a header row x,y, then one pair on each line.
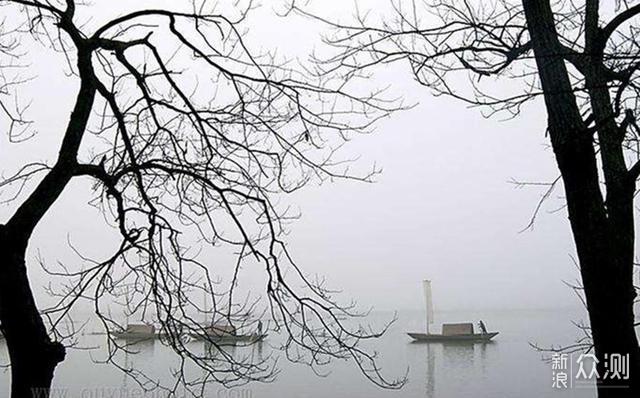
x,y
442,209
508,367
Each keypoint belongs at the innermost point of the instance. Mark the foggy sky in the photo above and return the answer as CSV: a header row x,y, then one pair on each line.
x,y
443,209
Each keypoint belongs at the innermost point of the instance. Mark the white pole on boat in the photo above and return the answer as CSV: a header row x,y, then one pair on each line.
x,y
428,301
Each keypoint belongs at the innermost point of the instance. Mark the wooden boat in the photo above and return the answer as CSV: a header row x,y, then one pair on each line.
x,y
451,332
226,334
435,338
137,332
221,333
231,339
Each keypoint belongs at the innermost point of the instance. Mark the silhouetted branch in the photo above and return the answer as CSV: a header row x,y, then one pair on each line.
x,y
195,139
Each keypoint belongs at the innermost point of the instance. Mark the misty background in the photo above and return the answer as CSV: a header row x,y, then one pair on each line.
x,y
443,208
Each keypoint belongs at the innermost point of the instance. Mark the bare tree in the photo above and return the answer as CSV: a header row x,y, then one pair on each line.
x,y
189,138
582,58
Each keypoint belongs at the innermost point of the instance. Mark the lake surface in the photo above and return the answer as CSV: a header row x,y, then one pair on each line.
x,y
508,367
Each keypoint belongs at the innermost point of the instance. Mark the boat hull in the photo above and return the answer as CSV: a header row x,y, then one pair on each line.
x,y
230,339
135,336
440,338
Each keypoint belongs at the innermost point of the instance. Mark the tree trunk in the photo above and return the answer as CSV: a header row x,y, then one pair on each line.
x,y
612,324
32,353
603,231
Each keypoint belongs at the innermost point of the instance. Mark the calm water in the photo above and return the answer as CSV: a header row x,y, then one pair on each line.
x,y
509,367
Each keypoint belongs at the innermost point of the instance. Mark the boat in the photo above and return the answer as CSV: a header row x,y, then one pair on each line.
x,y
137,332
226,334
134,331
451,332
470,337
223,333
217,333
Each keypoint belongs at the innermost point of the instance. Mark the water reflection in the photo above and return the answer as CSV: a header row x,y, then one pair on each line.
x,y
451,362
505,368
431,371
139,349
458,355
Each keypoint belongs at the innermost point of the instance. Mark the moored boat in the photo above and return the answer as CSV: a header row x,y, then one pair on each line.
x,y
226,334
137,332
451,332
432,337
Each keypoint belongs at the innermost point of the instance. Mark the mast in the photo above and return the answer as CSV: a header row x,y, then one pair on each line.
x,y
429,303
